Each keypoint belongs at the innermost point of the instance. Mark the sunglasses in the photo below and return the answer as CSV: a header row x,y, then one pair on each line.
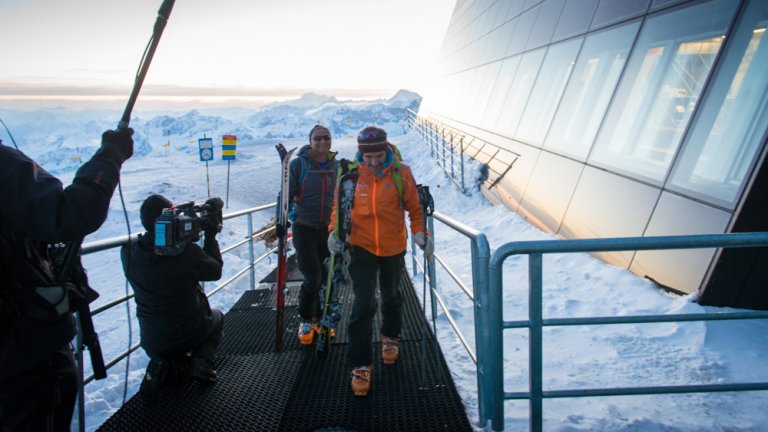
x,y
318,138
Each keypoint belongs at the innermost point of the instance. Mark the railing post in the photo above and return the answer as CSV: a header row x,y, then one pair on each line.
x,y
414,264
432,276
250,251
484,336
461,147
535,343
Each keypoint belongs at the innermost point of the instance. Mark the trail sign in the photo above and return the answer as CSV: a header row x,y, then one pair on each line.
x,y
228,147
206,149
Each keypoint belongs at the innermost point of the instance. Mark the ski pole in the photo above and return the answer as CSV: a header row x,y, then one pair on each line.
x,y
162,18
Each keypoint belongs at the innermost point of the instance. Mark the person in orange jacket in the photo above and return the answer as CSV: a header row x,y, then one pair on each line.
x,y
377,241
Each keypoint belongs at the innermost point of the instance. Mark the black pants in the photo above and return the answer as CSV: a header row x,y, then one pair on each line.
x,y
41,398
311,251
364,267
205,349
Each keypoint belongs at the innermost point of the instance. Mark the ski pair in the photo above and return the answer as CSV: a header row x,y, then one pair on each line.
x,y
281,230
345,194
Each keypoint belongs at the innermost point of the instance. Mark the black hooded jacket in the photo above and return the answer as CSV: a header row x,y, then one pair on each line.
x,y
173,311
36,210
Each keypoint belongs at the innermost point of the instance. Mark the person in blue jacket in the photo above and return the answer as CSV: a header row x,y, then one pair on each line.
x,y
312,186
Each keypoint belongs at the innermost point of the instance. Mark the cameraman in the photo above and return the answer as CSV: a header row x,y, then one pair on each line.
x,y
174,315
38,377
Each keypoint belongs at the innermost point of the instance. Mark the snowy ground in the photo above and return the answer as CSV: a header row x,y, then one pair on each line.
x,y
574,285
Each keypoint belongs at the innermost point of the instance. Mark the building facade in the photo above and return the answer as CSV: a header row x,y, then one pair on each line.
x,y
619,118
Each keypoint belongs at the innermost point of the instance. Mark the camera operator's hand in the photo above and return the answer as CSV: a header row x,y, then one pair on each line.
x,y
213,207
117,145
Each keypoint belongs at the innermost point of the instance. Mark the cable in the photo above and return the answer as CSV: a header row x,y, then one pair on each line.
x,y
127,302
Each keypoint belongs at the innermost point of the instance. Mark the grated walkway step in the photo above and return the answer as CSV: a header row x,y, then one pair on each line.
x,y
292,390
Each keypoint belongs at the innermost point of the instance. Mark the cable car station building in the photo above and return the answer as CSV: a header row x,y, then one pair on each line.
x,y
619,118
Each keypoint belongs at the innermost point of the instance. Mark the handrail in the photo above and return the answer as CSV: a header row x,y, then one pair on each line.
x,y
494,399
480,254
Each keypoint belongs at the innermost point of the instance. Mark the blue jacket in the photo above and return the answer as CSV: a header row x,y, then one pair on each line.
x,y
311,193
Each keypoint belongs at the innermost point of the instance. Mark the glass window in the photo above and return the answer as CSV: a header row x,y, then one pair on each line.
x,y
484,92
499,93
519,92
549,86
589,90
727,133
660,89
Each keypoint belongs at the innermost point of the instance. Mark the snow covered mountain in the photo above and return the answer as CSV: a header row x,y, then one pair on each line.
x,y
59,139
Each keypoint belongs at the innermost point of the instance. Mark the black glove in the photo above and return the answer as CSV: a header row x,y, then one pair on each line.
x,y
213,208
117,145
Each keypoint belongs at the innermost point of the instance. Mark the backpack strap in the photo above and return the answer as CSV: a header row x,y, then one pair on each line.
x,y
397,177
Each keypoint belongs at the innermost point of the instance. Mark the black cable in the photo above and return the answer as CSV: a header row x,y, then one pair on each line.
x,y
127,301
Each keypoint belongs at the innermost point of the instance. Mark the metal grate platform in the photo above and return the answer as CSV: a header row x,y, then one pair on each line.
x,y
261,390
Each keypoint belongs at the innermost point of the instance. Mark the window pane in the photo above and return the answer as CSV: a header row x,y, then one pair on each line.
x,y
546,93
589,90
499,93
519,92
719,153
660,88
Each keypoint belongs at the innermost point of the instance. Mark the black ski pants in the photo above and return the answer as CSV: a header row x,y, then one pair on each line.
x,y
311,251
205,349
366,270
41,398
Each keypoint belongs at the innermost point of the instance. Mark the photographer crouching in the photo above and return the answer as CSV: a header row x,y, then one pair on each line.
x,y
179,330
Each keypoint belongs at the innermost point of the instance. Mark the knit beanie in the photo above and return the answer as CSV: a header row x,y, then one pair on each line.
x,y
371,140
151,209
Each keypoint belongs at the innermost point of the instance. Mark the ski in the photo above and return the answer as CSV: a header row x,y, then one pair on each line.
x,y
345,193
281,229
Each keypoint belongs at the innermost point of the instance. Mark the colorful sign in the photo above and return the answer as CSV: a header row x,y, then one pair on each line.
x,y
228,147
206,149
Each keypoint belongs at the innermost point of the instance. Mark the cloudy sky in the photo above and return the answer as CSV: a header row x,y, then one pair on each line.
x,y
221,48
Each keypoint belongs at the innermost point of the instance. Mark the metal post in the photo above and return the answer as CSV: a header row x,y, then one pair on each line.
x,y
432,276
461,147
535,315
80,385
250,251
486,345
414,264
493,362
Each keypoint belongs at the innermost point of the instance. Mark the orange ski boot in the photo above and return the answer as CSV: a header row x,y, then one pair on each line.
x,y
390,348
361,380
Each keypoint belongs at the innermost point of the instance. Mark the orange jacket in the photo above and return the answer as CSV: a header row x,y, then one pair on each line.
x,y
378,222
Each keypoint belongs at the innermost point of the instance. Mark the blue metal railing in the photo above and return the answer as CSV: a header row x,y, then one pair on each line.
x,y
493,385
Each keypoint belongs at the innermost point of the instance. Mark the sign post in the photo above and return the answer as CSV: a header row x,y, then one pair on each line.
x,y
228,153
206,154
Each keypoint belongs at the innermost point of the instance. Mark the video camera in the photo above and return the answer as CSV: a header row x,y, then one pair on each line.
x,y
180,225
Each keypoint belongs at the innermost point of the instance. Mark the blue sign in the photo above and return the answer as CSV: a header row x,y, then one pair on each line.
x,y
206,149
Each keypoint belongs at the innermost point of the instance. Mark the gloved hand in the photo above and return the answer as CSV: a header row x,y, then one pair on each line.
x,y
213,208
426,243
117,144
335,245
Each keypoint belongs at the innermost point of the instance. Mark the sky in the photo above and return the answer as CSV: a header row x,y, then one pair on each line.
x,y
256,50
575,285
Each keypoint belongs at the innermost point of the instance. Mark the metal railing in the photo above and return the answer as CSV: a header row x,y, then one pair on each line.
x,y
478,293
452,148
492,408
115,242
